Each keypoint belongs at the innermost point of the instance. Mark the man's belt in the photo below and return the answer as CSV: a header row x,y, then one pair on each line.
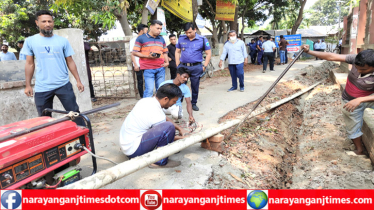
x,y
191,64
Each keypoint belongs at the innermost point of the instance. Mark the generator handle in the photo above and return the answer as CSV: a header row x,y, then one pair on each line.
x,y
92,143
26,131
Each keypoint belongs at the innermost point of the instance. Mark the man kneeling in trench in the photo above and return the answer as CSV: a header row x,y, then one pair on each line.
x,y
147,128
359,90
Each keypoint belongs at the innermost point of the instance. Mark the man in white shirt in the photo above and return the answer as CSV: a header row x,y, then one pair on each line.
x,y
323,46
147,128
268,47
142,29
317,46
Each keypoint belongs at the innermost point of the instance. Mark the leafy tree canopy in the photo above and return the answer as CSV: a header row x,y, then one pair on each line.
x,y
326,12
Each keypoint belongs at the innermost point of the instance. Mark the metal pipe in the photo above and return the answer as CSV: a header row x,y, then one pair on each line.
x,y
56,121
121,170
267,92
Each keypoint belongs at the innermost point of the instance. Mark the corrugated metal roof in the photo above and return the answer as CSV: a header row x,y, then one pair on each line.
x,y
303,32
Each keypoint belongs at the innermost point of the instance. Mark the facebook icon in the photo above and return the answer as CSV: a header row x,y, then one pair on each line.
x,y
11,199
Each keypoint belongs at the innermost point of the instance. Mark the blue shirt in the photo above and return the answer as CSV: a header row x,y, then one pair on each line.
x,y
7,56
323,46
252,46
268,46
185,91
51,68
317,46
192,51
259,43
237,52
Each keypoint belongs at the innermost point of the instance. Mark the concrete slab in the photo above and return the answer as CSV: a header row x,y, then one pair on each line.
x,y
214,102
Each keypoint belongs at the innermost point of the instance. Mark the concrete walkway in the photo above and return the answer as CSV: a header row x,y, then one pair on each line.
x,y
214,102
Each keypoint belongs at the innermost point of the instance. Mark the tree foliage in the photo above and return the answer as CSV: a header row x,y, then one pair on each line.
x,y
17,20
326,12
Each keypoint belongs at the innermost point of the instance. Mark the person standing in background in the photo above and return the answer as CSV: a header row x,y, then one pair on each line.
x,y
268,48
87,49
5,55
317,46
260,52
340,45
153,53
142,29
323,46
282,49
20,46
238,58
171,54
189,54
253,51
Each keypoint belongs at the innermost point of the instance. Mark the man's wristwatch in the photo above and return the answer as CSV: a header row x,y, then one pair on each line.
x,y
204,67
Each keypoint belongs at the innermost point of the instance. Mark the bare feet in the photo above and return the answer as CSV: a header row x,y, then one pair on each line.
x,y
357,152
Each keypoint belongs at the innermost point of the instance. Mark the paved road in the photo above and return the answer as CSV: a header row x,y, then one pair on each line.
x,y
214,102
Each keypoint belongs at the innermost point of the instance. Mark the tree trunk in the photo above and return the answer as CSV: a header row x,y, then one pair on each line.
x,y
234,24
145,13
299,18
224,31
220,33
242,31
122,18
215,36
195,10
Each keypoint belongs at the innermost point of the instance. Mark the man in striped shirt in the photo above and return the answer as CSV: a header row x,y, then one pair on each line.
x,y
153,53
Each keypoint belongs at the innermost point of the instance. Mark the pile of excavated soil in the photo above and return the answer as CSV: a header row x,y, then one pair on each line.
x,y
301,144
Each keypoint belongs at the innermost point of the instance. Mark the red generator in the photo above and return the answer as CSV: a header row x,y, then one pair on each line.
x,y
43,152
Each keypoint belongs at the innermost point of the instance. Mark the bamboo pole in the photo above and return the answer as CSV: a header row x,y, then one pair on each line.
x,y
121,170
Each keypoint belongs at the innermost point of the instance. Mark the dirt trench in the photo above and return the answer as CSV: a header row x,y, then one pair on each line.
x,y
299,145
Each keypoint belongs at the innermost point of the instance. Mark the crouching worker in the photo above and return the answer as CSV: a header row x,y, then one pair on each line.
x,y
176,111
359,90
146,127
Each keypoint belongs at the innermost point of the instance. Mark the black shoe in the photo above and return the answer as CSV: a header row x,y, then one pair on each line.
x,y
195,108
93,99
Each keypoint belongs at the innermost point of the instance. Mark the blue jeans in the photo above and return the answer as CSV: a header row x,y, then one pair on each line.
x,y
153,77
65,94
237,71
283,56
158,136
354,120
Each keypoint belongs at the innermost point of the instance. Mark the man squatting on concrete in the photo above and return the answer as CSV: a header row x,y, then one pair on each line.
x,y
53,55
238,58
146,127
176,110
153,53
359,91
189,54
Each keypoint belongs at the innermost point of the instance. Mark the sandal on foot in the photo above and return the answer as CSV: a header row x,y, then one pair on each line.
x,y
170,164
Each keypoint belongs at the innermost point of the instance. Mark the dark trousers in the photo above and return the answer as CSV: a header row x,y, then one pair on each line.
x,y
340,49
259,57
158,136
173,72
65,94
196,71
253,55
92,92
268,56
139,78
237,72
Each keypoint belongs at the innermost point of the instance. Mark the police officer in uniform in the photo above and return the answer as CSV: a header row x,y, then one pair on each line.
x,y
253,51
260,51
189,54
